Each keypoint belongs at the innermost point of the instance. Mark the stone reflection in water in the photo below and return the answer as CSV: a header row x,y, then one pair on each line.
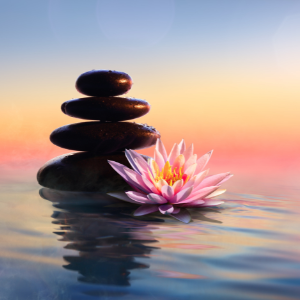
x,y
102,230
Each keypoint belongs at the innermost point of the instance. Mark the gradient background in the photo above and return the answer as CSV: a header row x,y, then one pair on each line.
x,y
223,74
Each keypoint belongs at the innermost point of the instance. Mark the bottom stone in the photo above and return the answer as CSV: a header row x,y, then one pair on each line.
x,y
83,171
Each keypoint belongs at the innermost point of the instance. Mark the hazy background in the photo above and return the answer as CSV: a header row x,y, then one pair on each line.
x,y
223,74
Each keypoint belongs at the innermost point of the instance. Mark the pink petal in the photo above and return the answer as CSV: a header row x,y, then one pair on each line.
x,y
122,196
188,152
138,181
151,177
225,179
153,167
140,162
145,209
180,196
190,183
202,161
142,166
131,161
177,186
199,195
215,194
159,159
183,216
135,188
161,149
150,185
160,184
156,199
119,168
182,146
192,160
200,177
178,163
190,170
138,197
195,203
167,192
214,180
136,155
166,209
173,154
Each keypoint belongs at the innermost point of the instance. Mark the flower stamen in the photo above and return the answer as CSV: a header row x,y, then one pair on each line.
x,y
169,174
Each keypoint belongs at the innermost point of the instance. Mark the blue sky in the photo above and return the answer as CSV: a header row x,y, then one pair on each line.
x,y
68,29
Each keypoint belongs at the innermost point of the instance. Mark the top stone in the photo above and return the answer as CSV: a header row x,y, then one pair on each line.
x,y
103,83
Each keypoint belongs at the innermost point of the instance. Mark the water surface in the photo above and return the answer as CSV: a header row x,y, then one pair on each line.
x,y
59,245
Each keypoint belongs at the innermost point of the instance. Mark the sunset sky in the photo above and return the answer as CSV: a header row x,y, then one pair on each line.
x,y
224,75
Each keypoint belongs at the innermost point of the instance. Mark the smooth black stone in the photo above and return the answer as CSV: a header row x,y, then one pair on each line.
x,y
103,83
104,137
83,171
106,108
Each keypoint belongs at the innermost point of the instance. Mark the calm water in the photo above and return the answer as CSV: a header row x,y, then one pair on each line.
x,y
57,245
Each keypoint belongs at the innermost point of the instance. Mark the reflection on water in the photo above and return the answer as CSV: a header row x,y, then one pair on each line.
x,y
87,246
107,238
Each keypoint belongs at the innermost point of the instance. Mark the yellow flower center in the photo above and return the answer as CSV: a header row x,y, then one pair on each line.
x,y
169,175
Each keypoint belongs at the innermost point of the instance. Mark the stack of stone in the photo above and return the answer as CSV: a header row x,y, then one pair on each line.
x,y
102,140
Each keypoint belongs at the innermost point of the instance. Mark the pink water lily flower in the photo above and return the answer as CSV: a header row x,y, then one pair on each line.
x,y
171,183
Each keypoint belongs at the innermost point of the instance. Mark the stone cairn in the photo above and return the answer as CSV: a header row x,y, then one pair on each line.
x,y
101,140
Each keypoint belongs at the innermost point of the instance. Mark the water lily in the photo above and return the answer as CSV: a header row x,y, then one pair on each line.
x,y
170,183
